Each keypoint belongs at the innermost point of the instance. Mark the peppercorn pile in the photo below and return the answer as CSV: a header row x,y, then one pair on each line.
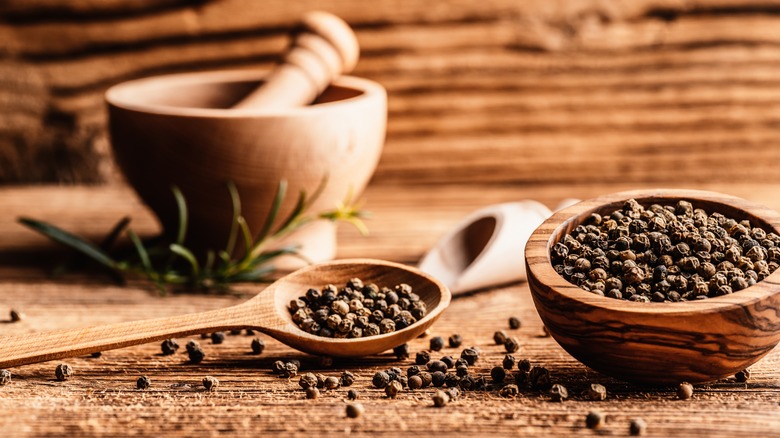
x,y
357,310
665,253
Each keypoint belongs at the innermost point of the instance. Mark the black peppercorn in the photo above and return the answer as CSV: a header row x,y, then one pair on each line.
x,y
499,337
347,378
217,337
498,374
312,393
437,365
742,376
143,382
16,315
594,419
331,383
449,361
393,388
509,362
422,358
509,391
451,380
437,343
597,392
559,393
308,380
455,341
195,354
415,382
380,379
277,367
539,378
512,344
684,391
440,399
354,410
258,346
470,355
289,370
524,365
352,394
514,322
63,371
637,427
210,383
169,347
5,377
437,378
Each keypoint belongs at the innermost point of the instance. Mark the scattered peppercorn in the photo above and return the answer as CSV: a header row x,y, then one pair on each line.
x,y
511,344
97,355
414,382
684,391
312,393
509,362
449,361
258,345
347,379
380,379
742,376
352,394
5,377
437,365
235,332
422,358
401,352
143,382
559,393
498,374
440,399
308,380
356,310
437,378
289,370
455,341
210,383
637,427
63,372
249,332
16,315
277,367
195,353
514,323
597,392
354,410
427,379
470,355
665,253
594,419
437,343
393,388
499,337
217,337
539,378
169,347
524,365
509,391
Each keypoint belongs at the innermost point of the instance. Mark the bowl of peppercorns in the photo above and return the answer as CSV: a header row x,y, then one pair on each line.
x,y
660,286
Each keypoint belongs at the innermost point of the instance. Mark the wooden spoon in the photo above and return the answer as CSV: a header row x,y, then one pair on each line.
x,y
666,343
266,312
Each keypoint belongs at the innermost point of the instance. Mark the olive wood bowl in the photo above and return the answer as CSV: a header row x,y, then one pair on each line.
x,y
656,343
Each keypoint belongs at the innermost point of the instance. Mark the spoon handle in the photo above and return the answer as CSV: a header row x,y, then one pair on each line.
x,y
56,344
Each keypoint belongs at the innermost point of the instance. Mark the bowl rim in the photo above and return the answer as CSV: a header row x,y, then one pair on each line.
x,y
124,95
541,270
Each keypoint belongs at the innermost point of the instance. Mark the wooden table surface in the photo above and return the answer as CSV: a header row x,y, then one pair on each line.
x,y
101,398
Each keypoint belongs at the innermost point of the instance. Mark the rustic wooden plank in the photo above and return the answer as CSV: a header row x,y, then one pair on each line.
x,y
102,400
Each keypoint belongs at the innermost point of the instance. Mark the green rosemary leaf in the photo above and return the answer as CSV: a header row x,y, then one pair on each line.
x,y
235,202
272,254
189,256
114,234
246,233
70,240
181,205
281,192
142,254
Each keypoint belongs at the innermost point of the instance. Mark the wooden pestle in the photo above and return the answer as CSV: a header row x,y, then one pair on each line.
x,y
323,48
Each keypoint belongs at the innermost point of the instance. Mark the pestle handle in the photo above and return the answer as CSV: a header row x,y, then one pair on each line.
x,y
323,49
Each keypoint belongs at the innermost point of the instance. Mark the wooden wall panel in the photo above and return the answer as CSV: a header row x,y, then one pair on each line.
x,y
480,90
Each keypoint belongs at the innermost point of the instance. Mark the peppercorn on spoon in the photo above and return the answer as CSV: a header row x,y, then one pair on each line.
x,y
267,312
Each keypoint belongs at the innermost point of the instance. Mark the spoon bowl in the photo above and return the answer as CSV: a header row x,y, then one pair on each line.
x,y
656,343
266,312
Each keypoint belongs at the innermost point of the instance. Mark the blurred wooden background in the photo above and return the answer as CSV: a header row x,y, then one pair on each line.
x,y
533,91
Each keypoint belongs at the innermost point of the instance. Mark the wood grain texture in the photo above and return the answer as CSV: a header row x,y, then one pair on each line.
x,y
483,91
656,343
101,399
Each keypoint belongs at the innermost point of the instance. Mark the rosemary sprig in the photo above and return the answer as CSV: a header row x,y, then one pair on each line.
x,y
172,263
